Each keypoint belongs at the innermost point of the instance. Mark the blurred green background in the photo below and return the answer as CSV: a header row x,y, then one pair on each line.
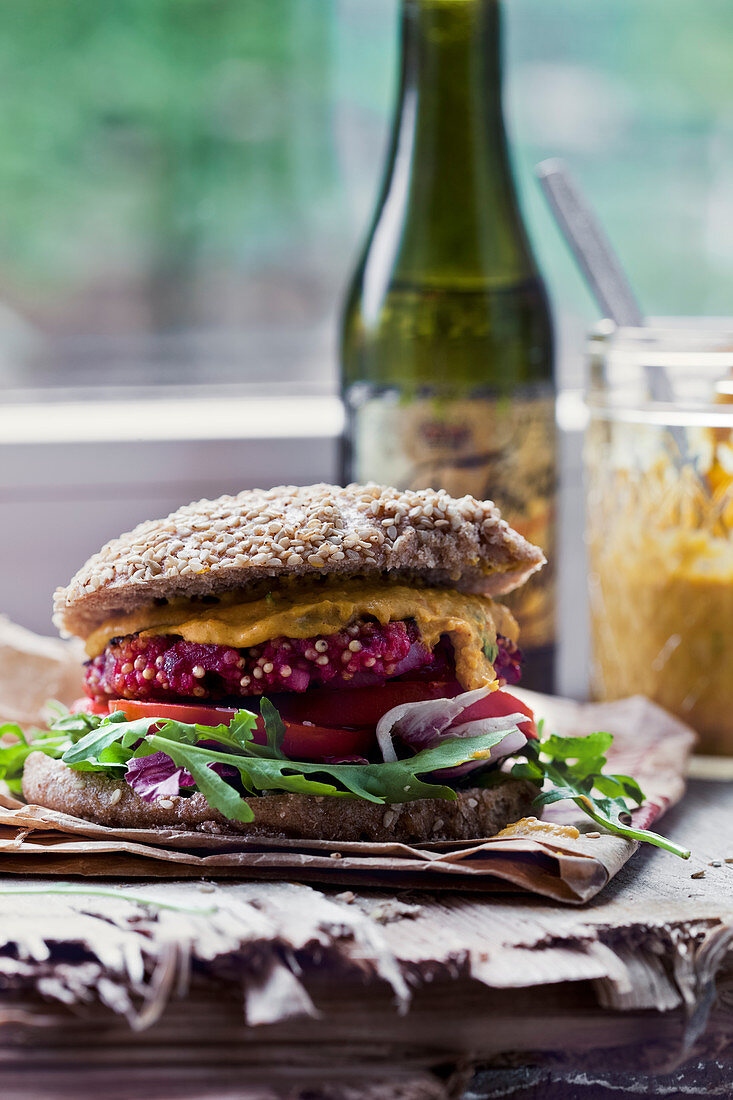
x,y
184,183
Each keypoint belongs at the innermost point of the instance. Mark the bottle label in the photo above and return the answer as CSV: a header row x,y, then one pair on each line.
x,y
498,449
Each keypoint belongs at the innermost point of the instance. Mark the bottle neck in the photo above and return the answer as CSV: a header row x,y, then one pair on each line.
x,y
449,181
451,78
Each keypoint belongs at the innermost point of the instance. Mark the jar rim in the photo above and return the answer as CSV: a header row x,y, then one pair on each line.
x,y
673,373
712,333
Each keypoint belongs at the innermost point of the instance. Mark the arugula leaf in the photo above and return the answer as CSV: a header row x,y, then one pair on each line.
x,y
77,723
99,737
52,707
13,754
573,766
241,726
274,727
88,892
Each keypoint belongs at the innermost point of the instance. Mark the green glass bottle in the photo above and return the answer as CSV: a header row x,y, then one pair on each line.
x,y
447,337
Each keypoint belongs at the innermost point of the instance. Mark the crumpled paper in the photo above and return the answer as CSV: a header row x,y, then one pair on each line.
x,y
34,669
555,858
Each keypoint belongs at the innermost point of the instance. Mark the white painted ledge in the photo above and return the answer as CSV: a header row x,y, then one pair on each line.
x,y
162,419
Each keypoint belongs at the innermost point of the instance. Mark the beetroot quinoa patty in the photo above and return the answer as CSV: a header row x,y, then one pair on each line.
x,y
365,653
166,666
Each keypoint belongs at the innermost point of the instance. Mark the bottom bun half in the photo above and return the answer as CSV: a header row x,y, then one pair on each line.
x,y
476,812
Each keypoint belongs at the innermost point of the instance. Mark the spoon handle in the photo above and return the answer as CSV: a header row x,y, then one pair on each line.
x,y
589,244
601,267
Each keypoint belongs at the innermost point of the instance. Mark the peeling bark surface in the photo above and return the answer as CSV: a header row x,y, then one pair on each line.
x,y
301,988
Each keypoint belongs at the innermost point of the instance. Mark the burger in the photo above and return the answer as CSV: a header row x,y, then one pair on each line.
x,y
312,662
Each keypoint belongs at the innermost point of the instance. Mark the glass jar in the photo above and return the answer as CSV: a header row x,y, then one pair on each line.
x,y
659,482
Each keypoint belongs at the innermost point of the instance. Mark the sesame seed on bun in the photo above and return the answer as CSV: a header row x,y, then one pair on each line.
x,y
215,546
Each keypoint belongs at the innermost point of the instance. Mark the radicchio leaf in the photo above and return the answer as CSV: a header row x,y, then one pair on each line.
x,y
419,725
156,776
426,724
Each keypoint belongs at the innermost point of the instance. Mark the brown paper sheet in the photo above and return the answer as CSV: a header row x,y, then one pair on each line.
x,y
34,669
649,744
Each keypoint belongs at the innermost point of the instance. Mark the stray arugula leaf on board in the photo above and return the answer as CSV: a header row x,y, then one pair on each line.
x,y
574,769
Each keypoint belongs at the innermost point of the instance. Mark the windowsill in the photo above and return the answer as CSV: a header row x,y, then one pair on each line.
x,y
162,416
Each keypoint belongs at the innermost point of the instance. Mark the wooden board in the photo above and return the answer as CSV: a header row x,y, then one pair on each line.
x,y
286,985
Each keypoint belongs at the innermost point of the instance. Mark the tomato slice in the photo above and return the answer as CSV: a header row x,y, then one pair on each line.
x,y
303,740
310,742
498,704
361,706
177,712
85,705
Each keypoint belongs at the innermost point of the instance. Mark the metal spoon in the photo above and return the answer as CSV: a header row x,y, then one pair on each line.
x,y
602,270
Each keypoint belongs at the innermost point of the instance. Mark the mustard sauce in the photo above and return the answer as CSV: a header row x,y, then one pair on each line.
x,y
540,829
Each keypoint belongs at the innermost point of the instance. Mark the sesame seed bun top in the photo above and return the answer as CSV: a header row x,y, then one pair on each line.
x,y
215,546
